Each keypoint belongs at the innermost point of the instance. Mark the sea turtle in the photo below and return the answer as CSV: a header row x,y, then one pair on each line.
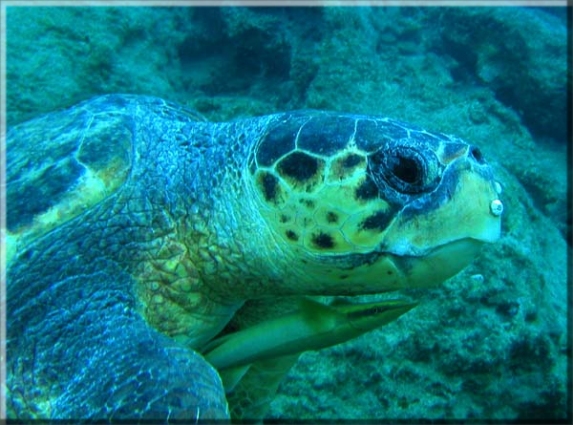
x,y
137,231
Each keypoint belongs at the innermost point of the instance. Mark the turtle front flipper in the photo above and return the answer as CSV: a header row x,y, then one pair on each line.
x,y
77,348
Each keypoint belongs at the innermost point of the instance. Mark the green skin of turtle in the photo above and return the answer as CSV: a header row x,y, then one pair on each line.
x,y
136,232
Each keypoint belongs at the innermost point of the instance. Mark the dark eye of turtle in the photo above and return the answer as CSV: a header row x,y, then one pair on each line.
x,y
403,169
406,169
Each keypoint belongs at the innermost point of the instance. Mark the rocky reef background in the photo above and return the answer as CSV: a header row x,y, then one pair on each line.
x,y
491,343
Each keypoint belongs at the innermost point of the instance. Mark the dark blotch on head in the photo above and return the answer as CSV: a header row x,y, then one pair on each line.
x,y
298,166
308,203
270,186
323,240
291,235
331,217
367,190
351,160
378,220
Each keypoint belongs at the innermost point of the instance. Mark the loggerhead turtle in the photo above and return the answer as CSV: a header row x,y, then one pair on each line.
x,y
136,231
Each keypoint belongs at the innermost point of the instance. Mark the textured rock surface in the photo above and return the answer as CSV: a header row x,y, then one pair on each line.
x,y
490,343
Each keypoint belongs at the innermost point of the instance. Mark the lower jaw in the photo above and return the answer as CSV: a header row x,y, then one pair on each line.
x,y
379,272
439,264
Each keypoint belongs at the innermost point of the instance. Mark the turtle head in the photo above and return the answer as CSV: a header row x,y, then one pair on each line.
x,y
371,204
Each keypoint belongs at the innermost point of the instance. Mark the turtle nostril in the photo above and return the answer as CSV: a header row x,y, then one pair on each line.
x,y
476,154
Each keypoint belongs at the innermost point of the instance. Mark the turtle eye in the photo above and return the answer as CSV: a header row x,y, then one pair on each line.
x,y
404,169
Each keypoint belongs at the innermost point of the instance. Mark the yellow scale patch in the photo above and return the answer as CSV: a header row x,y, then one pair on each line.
x,y
326,217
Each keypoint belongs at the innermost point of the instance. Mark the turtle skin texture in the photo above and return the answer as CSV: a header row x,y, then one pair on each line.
x,y
78,343
136,231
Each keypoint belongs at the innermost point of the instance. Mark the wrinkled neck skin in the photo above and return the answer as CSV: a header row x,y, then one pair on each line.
x,y
213,251
243,259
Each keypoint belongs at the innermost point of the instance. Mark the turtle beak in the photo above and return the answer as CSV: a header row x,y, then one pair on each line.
x,y
439,264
